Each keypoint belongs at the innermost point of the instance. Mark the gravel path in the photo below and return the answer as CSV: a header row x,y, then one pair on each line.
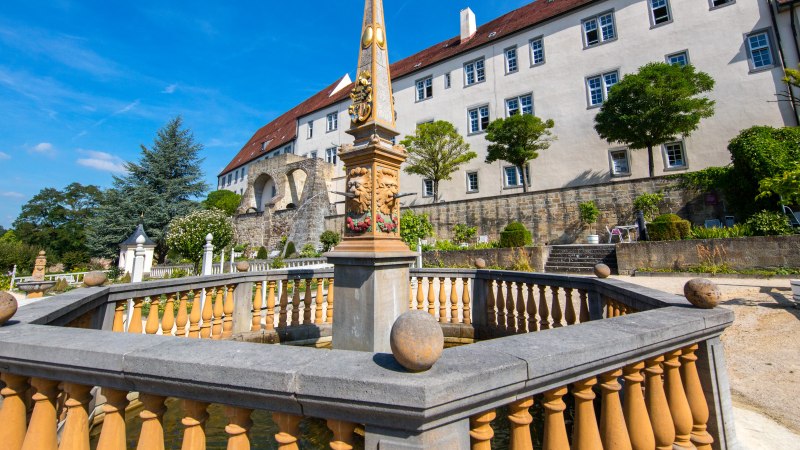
x,y
762,347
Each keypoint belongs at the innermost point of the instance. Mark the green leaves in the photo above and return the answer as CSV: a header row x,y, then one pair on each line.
x,y
414,227
187,235
224,200
658,104
518,139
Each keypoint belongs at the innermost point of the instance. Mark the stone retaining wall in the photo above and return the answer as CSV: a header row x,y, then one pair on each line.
x,y
494,257
552,215
737,253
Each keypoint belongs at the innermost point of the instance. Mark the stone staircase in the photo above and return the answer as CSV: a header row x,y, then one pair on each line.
x,y
581,259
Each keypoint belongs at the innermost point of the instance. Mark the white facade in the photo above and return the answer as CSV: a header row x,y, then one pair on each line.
x,y
715,39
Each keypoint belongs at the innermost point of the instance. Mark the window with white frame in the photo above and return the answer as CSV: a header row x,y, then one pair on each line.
x,y
511,60
537,51
447,81
478,119
760,50
513,177
333,121
674,155
472,181
598,87
620,162
424,88
427,188
474,72
599,29
310,133
678,59
659,12
230,179
718,3
522,104
330,155
313,154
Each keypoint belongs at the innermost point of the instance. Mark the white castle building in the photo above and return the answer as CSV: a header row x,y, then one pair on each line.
x,y
557,59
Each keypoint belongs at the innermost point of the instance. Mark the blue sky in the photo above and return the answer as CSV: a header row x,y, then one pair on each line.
x,y
84,83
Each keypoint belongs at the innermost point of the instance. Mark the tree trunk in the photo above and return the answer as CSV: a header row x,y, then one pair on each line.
x,y
435,191
522,176
650,160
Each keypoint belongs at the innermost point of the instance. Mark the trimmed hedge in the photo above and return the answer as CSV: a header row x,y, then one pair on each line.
x,y
669,227
515,235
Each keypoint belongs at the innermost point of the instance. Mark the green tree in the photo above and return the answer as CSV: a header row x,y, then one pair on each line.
x,y
187,235
224,200
161,186
786,186
518,139
329,239
435,152
414,227
57,220
658,104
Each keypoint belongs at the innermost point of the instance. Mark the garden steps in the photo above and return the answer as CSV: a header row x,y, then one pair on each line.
x,y
581,258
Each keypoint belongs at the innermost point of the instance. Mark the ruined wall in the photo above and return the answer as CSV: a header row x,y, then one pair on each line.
x,y
553,215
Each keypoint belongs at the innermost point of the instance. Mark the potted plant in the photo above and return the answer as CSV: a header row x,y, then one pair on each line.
x,y
589,214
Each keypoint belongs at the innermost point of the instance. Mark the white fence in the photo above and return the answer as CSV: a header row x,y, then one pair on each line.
x,y
255,266
73,279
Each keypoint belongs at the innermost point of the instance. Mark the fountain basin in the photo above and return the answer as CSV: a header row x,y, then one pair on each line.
x,y
35,289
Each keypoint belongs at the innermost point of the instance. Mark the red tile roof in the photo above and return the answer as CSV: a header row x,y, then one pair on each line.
x,y
283,130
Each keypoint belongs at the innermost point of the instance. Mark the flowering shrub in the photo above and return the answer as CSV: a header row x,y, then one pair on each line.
x,y
187,235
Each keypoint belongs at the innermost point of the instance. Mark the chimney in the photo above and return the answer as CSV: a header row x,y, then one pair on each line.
x,y
468,27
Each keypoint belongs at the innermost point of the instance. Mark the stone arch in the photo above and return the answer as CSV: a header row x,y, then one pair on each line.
x,y
265,190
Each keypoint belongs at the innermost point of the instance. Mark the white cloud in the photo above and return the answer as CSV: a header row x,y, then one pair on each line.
x,y
101,161
12,194
4,155
170,89
44,148
128,108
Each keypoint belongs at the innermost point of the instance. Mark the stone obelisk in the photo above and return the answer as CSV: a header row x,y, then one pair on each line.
x,y
371,264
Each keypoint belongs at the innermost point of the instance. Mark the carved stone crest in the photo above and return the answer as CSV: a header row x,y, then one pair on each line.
x,y
361,109
359,184
386,192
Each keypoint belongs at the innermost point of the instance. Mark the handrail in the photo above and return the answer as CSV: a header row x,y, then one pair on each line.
x,y
73,278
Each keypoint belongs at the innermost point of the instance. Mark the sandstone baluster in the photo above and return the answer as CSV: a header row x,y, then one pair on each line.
x,y
420,295
697,400
569,314
491,312
584,313
511,307
13,413
520,419
342,434
228,306
442,301
295,303
41,433
218,311
151,436
152,317
555,310
531,309
431,298
194,422
135,326
411,294
329,309
613,431
239,424
284,305
502,325
76,429
258,303
555,430
112,436
637,420
676,397
657,407
481,432
288,430
270,319
119,317
585,433
454,300
168,321
194,318
544,311
207,315
466,302
319,301
307,310
522,322
183,315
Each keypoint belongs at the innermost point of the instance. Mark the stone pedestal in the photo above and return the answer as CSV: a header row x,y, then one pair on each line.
x,y
371,291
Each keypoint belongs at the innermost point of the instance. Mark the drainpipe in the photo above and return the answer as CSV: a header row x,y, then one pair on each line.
x,y
792,100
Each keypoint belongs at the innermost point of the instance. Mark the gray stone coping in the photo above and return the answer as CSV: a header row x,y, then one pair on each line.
x,y
353,386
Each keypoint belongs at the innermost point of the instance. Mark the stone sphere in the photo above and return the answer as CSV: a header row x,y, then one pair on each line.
x,y
93,279
8,307
602,271
417,341
242,266
702,293
480,263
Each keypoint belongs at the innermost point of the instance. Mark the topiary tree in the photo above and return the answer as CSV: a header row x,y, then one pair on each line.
x,y
589,212
518,139
187,235
515,235
262,253
658,104
669,227
414,227
329,239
